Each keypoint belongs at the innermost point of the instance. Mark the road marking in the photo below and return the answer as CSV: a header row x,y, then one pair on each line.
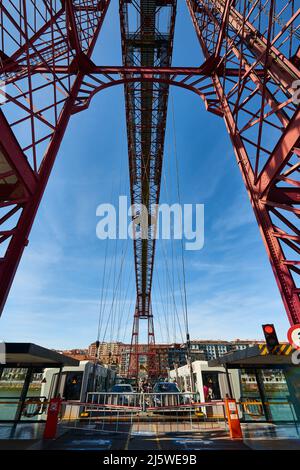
x,y
88,444
156,436
193,444
128,439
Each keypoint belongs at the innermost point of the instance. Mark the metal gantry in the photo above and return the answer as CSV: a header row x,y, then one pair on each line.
x,y
248,75
261,40
147,29
36,106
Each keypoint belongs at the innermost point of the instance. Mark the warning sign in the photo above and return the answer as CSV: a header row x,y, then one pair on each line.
x,y
294,336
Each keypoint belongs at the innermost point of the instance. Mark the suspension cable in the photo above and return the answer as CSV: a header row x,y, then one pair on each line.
x,y
179,200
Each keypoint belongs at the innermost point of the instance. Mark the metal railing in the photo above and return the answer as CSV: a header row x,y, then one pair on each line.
x,y
254,409
143,412
30,408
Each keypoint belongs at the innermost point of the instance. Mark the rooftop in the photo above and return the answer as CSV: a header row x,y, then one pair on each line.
x,y
29,354
257,355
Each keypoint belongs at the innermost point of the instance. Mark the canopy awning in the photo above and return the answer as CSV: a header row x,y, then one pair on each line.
x,y
257,355
32,355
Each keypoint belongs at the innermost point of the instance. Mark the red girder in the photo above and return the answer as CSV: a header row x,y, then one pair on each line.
x,y
73,33
31,161
280,156
274,90
13,161
147,45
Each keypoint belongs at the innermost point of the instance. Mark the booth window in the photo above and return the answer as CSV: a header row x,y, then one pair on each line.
x,y
73,385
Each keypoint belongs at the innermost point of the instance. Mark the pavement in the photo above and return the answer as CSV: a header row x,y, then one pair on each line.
x,y
272,437
134,440
151,437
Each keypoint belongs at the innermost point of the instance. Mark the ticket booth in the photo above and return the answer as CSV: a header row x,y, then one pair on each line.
x,y
269,383
21,377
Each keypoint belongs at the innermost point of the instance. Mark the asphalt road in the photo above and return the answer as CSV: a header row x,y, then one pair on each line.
x,y
154,437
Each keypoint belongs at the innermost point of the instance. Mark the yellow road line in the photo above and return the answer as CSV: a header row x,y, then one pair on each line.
x,y
156,436
127,440
288,350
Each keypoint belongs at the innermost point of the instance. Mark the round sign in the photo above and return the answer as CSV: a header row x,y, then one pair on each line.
x,y
294,336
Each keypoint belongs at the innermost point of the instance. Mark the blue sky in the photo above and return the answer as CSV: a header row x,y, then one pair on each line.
x,y
55,300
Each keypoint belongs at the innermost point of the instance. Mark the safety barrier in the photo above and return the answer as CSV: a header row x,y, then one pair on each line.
x,y
159,413
143,412
32,407
254,409
278,410
151,407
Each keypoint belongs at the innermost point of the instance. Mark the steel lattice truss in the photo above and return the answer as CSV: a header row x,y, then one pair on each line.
x,y
248,76
148,45
261,40
36,106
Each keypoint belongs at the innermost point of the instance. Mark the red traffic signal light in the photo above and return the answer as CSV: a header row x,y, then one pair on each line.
x,y
270,336
269,329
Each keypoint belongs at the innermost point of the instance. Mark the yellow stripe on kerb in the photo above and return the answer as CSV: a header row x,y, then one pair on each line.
x,y
281,350
289,349
264,351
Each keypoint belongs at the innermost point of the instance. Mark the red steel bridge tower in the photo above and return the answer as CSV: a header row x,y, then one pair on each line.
x,y
148,44
248,75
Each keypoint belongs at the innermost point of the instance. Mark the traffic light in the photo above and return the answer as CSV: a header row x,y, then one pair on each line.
x,y
271,336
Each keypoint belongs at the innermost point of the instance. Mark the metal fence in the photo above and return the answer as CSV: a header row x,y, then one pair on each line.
x,y
272,410
143,412
15,408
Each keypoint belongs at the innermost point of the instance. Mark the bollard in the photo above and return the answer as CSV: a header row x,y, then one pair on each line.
x,y
233,419
52,418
